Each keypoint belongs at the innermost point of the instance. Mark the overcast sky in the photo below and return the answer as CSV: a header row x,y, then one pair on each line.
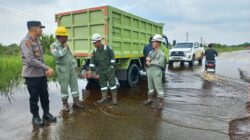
x,y
219,21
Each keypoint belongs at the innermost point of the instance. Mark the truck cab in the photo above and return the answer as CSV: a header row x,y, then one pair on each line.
x,y
186,52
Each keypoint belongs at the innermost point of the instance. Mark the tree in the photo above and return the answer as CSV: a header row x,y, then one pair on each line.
x,y
46,41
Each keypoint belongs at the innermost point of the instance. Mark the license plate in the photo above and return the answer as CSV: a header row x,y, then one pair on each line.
x,y
211,70
177,58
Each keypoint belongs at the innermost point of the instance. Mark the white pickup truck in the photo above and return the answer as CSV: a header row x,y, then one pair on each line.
x,y
186,52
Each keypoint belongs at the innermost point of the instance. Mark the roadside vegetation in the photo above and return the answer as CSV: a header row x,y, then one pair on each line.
x,y
225,48
11,63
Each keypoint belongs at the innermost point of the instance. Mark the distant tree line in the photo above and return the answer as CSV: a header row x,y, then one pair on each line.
x,y
240,45
14,49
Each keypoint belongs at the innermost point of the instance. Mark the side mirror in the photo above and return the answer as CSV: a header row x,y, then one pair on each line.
x,y
165,41
174,42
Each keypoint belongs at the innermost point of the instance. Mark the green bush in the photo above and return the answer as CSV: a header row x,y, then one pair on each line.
x,y
11,68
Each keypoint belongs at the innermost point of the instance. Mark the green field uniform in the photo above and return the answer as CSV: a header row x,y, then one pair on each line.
x,y
103,61
154,73
65,68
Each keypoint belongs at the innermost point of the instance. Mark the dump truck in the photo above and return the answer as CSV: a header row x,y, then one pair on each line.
x,y
126,33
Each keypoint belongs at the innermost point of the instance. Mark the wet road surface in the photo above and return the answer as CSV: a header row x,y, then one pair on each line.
x,y
197,107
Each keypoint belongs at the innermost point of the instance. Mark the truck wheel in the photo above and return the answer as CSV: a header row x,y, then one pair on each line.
x,y
182,63
170,63
191,63
133,75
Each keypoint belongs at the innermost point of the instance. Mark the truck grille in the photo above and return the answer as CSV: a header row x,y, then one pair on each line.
x,y
177,53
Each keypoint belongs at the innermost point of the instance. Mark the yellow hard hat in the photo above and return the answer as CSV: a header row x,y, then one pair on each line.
x,y
61,31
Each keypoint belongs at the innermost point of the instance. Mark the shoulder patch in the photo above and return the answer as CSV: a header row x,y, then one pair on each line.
x,y
28,43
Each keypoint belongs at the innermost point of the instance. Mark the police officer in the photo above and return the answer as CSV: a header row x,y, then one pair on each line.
x,y
35,71
103,61
65,68
155,62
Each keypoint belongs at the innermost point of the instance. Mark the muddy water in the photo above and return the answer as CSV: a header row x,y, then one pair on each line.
x,y
196,107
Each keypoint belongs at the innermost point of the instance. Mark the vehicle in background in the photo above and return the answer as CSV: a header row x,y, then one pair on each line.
x,y
186,52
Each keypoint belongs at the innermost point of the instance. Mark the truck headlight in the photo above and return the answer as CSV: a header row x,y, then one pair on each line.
x,y
188,52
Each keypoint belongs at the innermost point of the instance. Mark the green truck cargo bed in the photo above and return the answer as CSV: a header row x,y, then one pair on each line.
x,y
124,32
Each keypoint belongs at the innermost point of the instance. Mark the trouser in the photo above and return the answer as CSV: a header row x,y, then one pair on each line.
x,y
67,77
107,76
38,89
155,81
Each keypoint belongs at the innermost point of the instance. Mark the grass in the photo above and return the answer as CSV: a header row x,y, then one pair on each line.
x,y
228,49
11,69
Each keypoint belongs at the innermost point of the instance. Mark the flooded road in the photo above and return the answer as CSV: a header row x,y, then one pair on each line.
x,y
197,107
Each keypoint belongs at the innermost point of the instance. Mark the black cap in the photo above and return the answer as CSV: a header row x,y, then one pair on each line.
x,y
34,24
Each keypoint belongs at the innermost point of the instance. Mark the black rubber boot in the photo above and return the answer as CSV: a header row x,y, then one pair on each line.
x,y
36,120
49,117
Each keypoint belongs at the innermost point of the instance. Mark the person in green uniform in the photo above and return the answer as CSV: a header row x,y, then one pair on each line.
x,y
155,62
103,60
65,68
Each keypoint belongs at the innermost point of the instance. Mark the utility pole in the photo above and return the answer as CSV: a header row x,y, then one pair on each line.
x,y
201,40
187,36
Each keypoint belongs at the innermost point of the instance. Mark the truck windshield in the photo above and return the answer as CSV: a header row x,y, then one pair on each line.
x,y
184,45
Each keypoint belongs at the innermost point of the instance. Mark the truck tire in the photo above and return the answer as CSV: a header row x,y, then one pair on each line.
x,y
133,75
191,63
170,63
182,64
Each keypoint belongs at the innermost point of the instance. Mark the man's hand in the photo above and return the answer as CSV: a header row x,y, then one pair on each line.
x,y
148,63
89,74
148,59
49,72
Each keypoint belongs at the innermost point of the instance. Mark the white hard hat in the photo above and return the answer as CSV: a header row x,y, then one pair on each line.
x,y
96,37
157,37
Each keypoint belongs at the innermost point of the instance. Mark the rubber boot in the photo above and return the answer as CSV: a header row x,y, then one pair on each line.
x,y
160,104
77,103
104,98
114,98
149,100
65,105
49,117
36,120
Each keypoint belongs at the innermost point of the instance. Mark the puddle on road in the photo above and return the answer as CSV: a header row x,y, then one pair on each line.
x,y
195,108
